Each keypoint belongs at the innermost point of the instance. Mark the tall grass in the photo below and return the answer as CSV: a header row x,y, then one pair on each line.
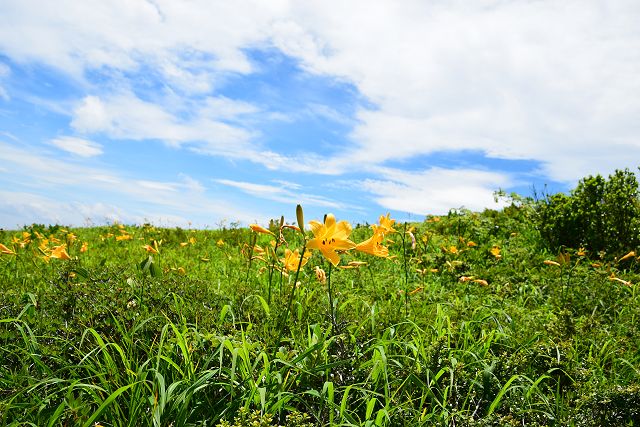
x,y
447,332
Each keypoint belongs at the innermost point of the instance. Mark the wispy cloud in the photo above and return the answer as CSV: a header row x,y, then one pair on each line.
x,y
78,146
4,72
125,116
434,191
285,193
36,177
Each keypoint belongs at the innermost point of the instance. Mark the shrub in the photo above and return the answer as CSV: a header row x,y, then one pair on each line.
x,y
599,215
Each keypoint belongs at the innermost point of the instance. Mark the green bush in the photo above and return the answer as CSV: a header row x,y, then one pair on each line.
x,y
599,215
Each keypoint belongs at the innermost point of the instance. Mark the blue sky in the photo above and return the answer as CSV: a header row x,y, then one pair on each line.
x,y
204,112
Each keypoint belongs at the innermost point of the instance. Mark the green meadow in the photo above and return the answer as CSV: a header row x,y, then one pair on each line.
x,y
524,316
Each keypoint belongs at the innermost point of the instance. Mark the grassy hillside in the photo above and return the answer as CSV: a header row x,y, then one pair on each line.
x,y
468,320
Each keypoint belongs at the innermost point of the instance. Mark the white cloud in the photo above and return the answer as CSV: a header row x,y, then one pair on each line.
x,y
555,83
125,116
70,184
78,146
173,38
5,71
434,191
286,193
40,209
518,80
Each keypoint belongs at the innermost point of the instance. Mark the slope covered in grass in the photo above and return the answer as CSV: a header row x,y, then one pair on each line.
x,y
471,320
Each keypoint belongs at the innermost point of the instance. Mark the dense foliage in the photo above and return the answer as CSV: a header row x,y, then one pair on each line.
x,y
469,321
599,214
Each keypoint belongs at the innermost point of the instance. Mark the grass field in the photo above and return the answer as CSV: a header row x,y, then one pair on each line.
x,y
467,320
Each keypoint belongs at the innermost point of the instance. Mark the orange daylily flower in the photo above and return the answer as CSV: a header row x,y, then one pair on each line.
x,y
357,263
627,256
259,229
550,262
330,237
150,248
373,245
60,252
619,280
386,224
320,275
6,250
495,251
292,259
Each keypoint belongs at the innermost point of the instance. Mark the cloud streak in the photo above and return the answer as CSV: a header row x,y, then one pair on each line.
x,y
286,193
78,146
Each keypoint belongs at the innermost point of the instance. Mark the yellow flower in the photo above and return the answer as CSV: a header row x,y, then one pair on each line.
x,y
6,250
321,275
59,252
291,226
386,224
617,279
220,243
416,290
550,262
373,245
259,229
357,263
495,251
292,259
330,237
627,256
84,247
150,248
124,237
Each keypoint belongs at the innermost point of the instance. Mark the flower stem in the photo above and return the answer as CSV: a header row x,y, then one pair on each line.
x,y
331,311
406,271
272,267
293,291
252,242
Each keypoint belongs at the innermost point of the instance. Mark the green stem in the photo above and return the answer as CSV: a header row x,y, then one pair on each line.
x,y
252,242
331,311
273,264
293,291
406,272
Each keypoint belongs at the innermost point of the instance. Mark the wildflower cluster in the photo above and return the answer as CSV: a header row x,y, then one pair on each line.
x,y
44,247
330,238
